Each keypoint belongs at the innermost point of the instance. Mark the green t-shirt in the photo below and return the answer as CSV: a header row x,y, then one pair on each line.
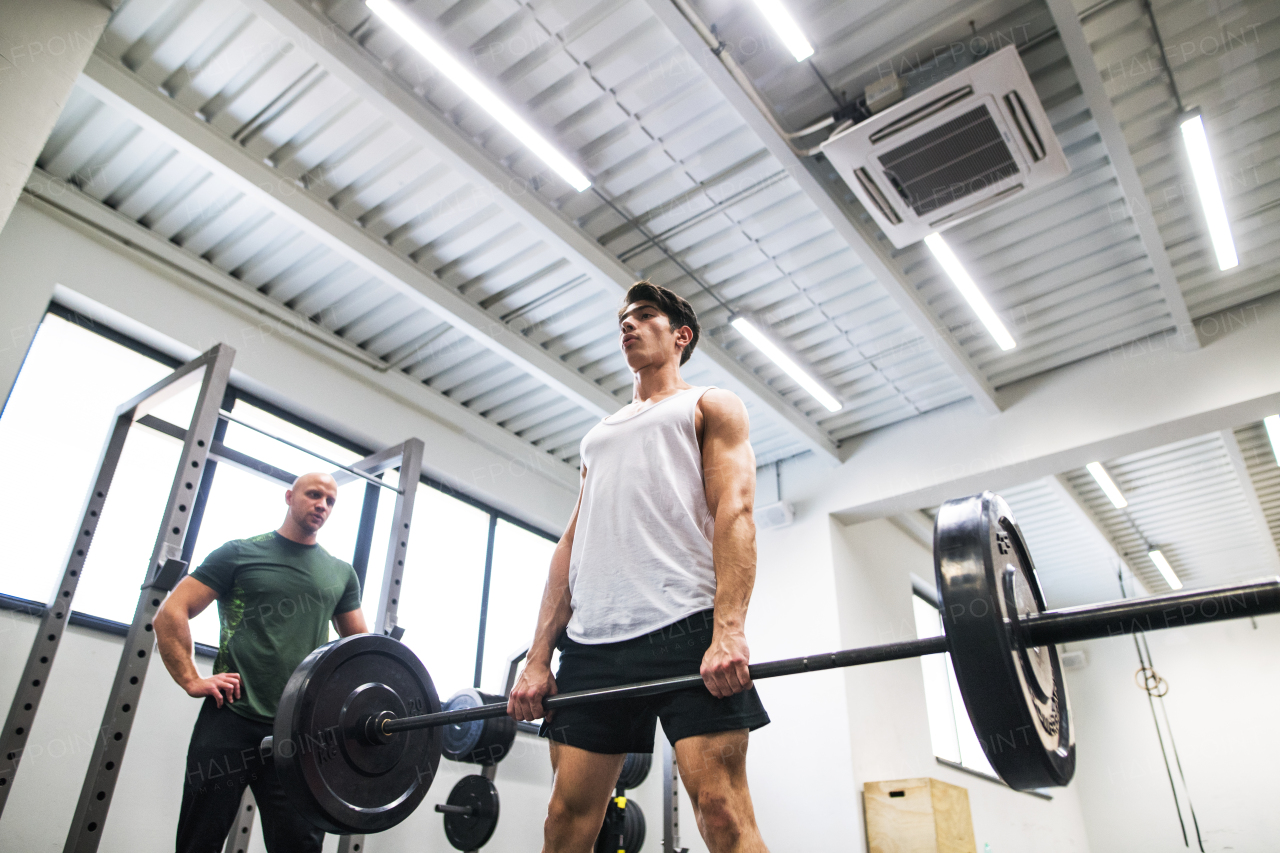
x,y
275,600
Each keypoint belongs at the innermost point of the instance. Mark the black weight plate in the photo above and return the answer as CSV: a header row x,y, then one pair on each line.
x,y
336,779
477,741
633,828
1015,696
472,831
623,827
635,769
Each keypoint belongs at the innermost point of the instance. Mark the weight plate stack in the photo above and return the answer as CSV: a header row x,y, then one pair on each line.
x,y
472,831
1015,695
634,770
478,741
623,829
333,775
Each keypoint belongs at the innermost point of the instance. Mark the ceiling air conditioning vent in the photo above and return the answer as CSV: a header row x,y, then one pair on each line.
x,y
969,143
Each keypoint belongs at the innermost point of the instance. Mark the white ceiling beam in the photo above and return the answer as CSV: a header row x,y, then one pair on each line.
x,y
1089,521
917,525
860,236
114,84
1071,31
1132,398
68,204
350,63
1251,496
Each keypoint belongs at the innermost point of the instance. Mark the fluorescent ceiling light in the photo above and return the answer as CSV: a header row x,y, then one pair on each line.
x,y
964,283
420,40
1272,424
1109,487
1165,569
1215,212
786,362
785,26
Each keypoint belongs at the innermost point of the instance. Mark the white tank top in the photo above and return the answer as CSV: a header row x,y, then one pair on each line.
x,y
641,555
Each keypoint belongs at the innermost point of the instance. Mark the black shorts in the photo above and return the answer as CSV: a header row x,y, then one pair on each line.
x,y
628,725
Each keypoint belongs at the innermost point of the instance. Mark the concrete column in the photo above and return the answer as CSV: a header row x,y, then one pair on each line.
x,y
44,45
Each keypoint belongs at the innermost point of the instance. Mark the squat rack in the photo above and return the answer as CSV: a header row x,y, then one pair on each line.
x,y
213,370
201,448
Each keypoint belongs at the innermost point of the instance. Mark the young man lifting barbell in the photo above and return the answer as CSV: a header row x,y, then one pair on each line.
x,y
652,579
276,594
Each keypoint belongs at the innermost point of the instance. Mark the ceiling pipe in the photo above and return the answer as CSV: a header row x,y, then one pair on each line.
x,y
721,51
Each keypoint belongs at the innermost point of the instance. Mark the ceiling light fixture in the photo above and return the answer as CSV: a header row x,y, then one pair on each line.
x,y
1165,569
1272,423
965,284
394,16
786,28
1215,212
1108,486
761,342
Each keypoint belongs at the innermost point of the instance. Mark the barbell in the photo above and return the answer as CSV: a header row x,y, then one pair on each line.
x,y
357,738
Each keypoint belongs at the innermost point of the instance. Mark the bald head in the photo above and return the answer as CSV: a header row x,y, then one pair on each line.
x,y
310,500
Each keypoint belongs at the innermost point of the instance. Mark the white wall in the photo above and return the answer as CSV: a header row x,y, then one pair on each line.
x,y
145,809
800,760
1224,685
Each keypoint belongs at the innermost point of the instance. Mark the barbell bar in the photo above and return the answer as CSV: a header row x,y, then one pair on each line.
x,y
356,741
1052,627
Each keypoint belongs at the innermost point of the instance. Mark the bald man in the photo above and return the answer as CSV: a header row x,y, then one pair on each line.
x,y
276,594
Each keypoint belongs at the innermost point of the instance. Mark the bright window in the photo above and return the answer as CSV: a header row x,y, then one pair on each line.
x,y
444,587
520,563
52,432
949,728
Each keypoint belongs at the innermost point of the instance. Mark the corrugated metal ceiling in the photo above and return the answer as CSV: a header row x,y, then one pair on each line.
x,y
1185,499
1225,58
1264,472
1064,265
684,192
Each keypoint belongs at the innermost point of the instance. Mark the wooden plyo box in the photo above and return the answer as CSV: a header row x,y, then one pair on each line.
x,y
918,816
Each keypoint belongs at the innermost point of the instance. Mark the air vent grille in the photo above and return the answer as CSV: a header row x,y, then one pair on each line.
x,y
1022,118
975,140
952,161
921,113
879,198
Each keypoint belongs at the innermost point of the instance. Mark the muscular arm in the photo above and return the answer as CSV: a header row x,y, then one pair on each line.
x,y
729,479
173,636
536,681
351,622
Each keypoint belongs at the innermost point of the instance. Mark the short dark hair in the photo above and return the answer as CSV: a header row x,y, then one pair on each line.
x,y
678,310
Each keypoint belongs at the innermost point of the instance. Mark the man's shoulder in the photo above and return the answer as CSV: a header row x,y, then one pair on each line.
x,y
251,544
337,562
722,403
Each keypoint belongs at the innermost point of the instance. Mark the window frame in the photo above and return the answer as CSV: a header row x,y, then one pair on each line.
x,y
238,394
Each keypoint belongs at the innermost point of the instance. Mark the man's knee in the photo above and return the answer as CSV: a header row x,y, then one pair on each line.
x,y
562,809
720,820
